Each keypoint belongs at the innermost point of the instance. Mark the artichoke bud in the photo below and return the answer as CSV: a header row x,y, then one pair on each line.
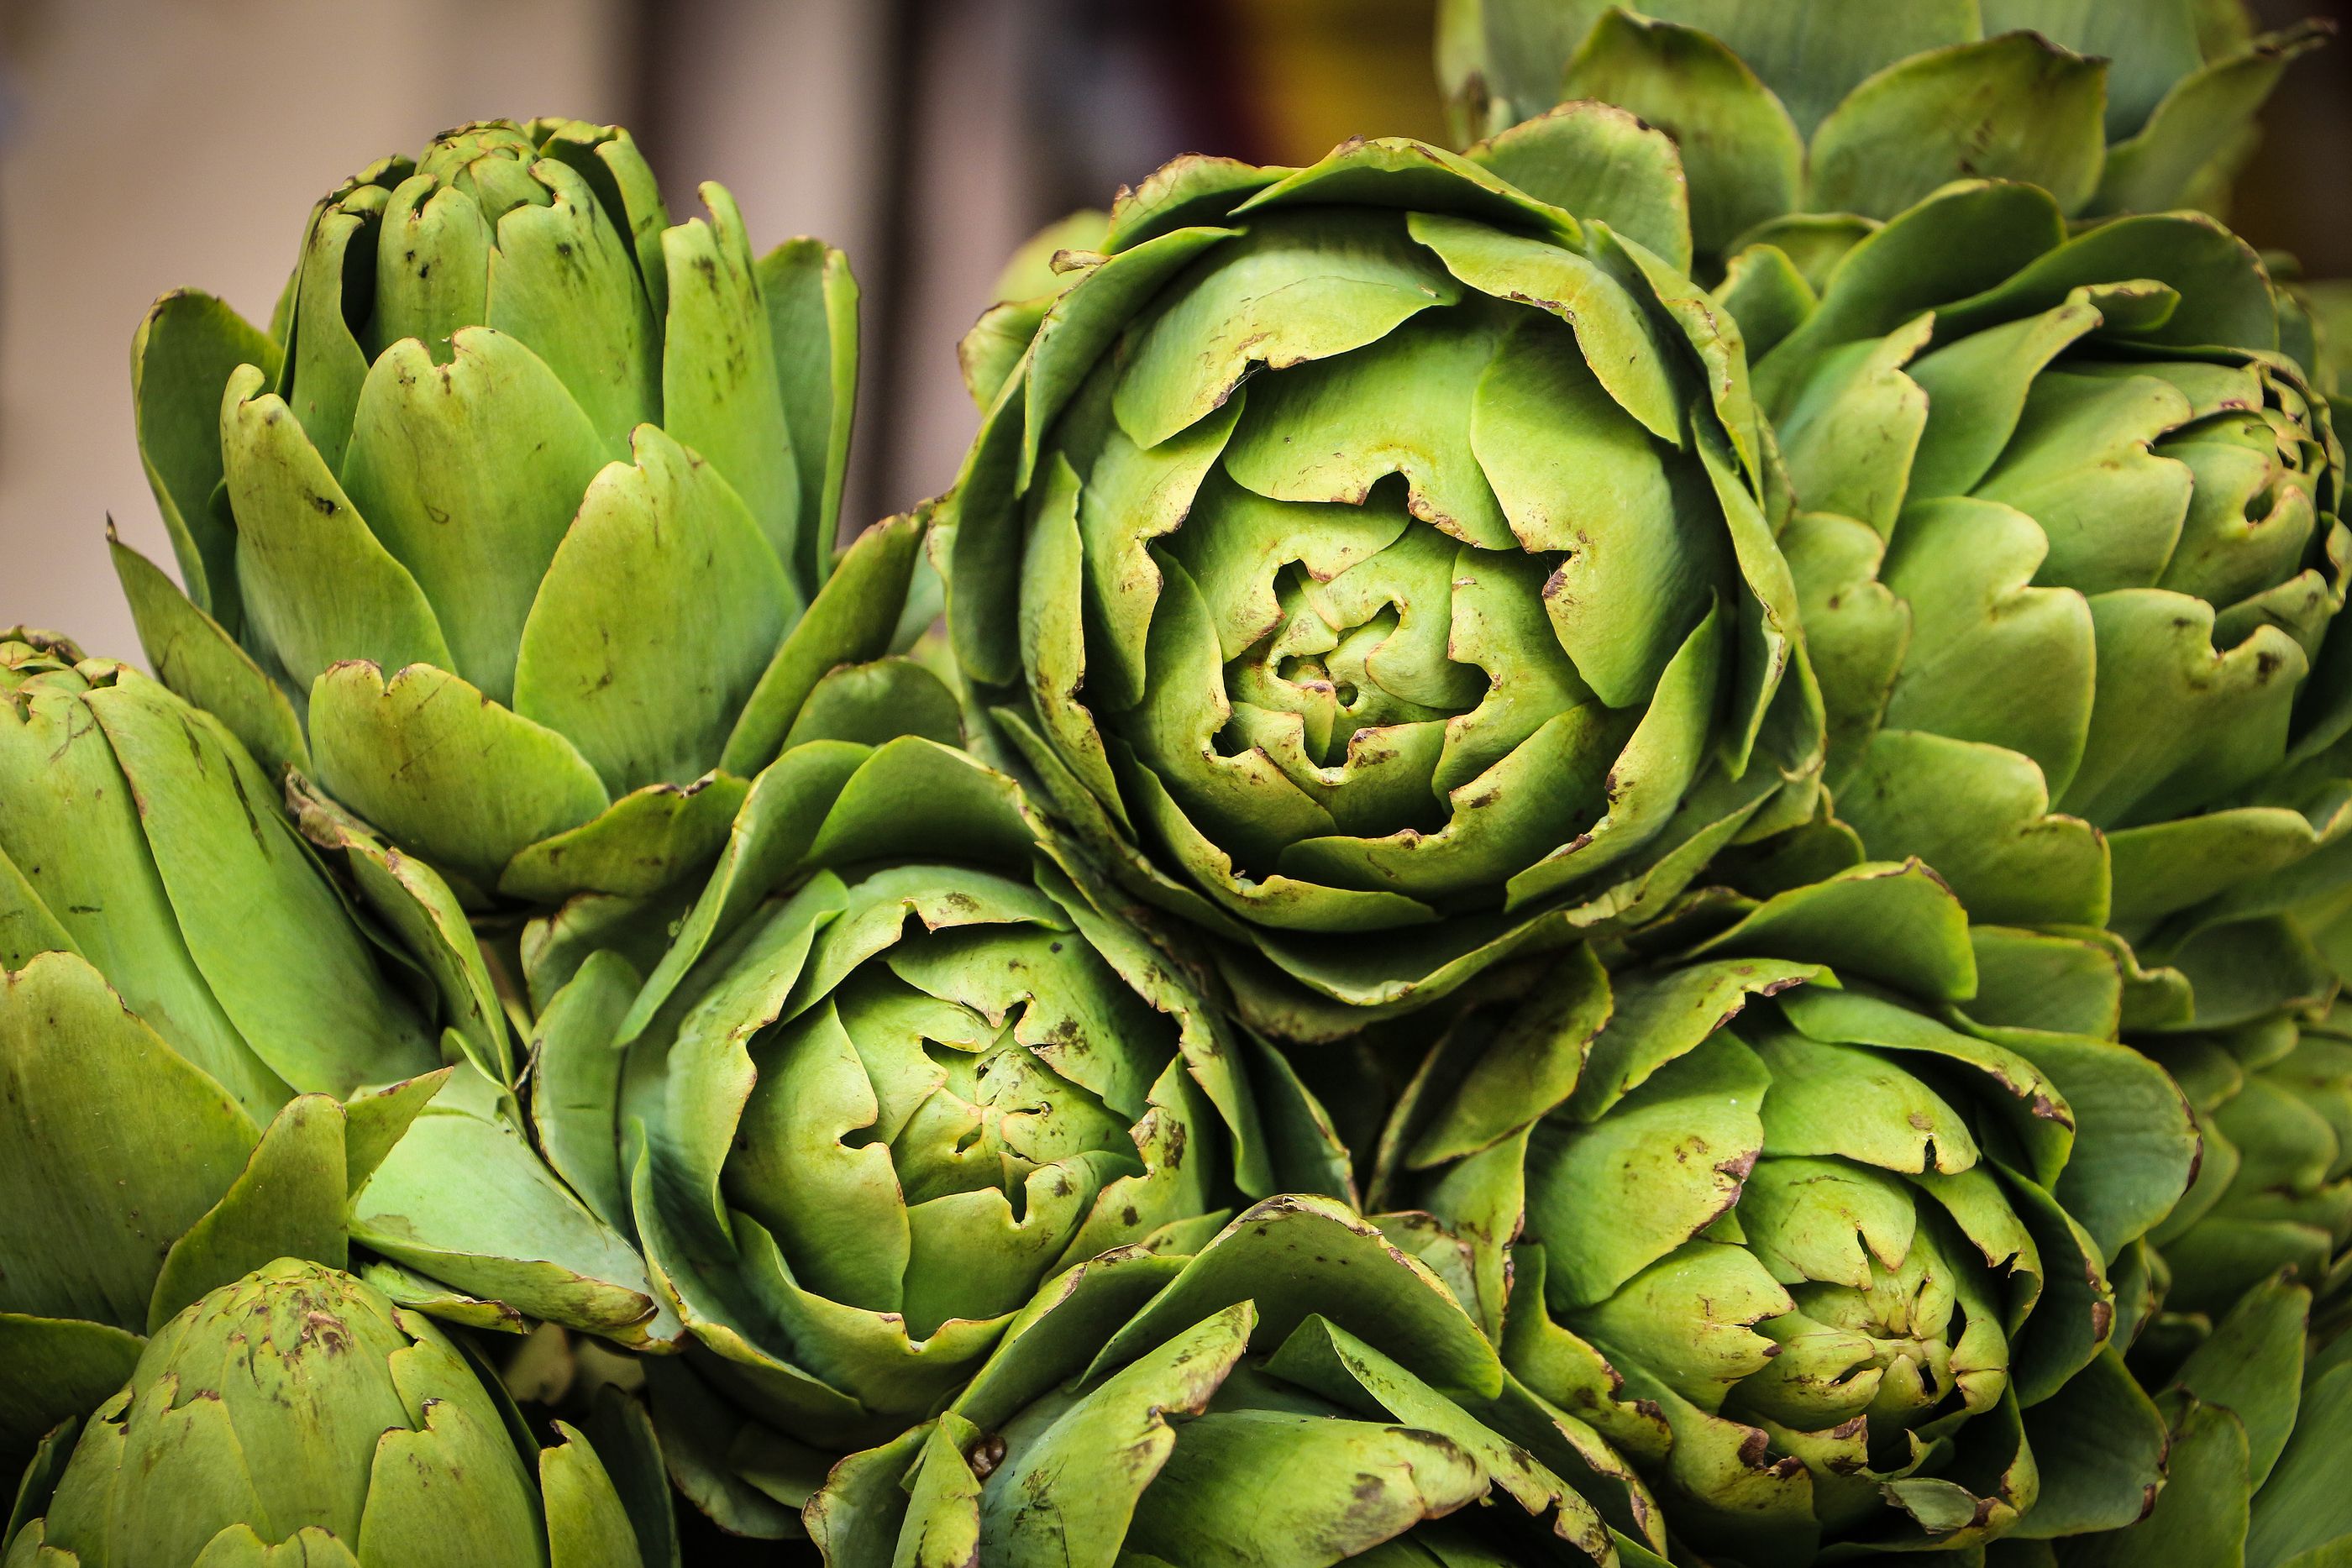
x,y
299,1406
919,1076
138,835
2071,554
573,472
1360,633
1777,1187
985,1057
1828,1288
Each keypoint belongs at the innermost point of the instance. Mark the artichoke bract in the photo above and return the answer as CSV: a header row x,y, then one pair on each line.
x,y
139,836
1297,1392
191,1020
2068,552
2273,1194
2260,1419
1836,1265
1827,109
515,530
897,1072
1373,563
298,1408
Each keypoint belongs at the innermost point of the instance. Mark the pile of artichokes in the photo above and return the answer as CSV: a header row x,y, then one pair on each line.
x,y
1628,847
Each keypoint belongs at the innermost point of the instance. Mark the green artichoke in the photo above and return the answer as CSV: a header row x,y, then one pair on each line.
x,y
2273,1194
1800,108
524,506
2260,1419
138,835
183,1000
297,1411
1836,1264
216,1053
2068,550
1296,1391
896,1071
1373,563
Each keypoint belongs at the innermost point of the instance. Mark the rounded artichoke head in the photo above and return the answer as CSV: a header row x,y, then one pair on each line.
x,y
1848,107
1298,1391
918,1077
300,1405
1853,1247
1392,566
954,1086
2069,549
137,834
510,344
572,471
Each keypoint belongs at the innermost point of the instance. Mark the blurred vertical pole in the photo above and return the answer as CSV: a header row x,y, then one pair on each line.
x,y
964,196
873,475
782,101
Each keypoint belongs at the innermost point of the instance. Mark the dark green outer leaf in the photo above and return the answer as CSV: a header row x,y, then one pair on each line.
x,y
270,933
2008,108
2100,1447
1745,158
1597,161
2304,1507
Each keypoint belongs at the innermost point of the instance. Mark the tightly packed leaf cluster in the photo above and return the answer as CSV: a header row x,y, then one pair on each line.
x,y
1627,848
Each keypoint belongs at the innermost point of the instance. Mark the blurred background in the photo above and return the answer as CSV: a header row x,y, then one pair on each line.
x,y
146,144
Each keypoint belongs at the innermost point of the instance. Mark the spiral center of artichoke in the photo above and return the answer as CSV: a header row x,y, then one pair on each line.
x,y
1881,1349
949,1090
1384,672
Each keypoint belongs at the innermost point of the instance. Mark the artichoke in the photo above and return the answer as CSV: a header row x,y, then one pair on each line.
x,y
1297,1392
139,837
896,1071
298,1410
1809,108
1373,563
1770,1186
215,1053
2068,549
2260,1419
184,999
524,508
2273,1194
